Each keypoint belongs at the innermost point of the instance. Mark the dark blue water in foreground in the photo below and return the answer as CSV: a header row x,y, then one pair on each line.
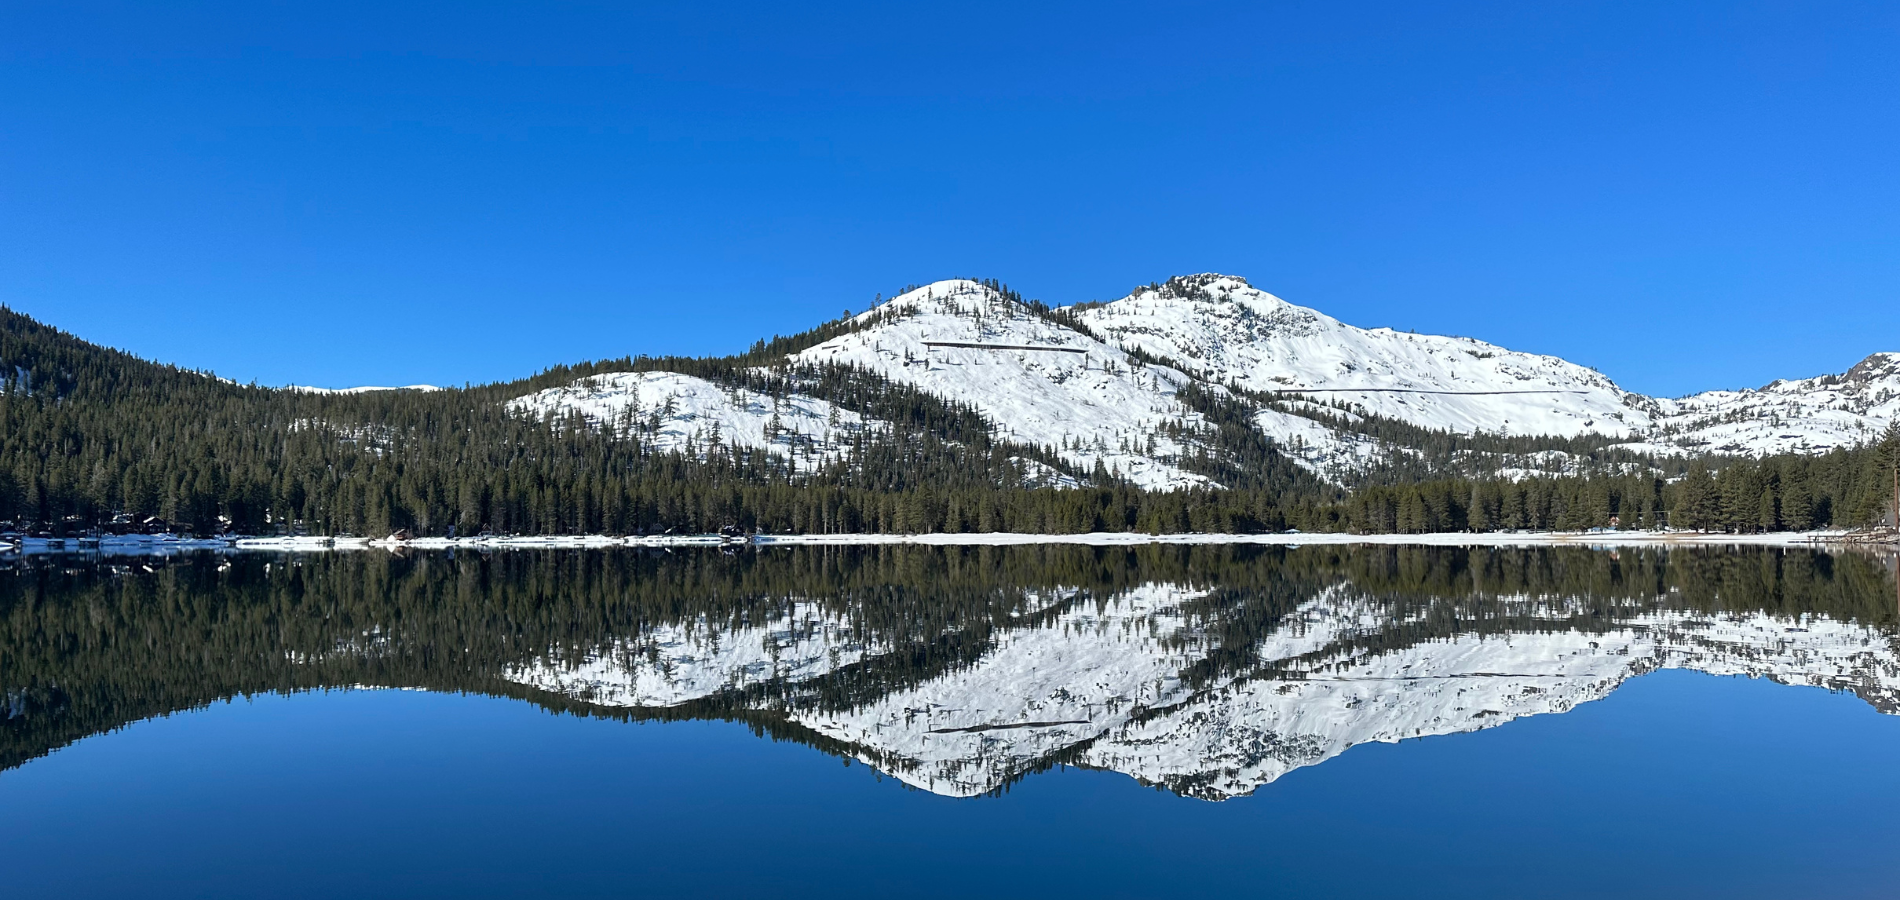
x,y
1678,784
698,724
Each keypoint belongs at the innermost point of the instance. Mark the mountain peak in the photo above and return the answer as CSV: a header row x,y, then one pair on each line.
x,y
1203,282
951,296
1875,367
1204,286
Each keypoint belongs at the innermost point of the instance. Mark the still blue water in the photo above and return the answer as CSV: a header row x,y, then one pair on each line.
x,y
1676,784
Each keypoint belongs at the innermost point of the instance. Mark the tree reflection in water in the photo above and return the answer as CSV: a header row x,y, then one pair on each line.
x,y
1209,670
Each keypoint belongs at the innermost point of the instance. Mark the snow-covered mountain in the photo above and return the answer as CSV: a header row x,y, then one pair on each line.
x,y
1233,333
1808,415
1041,383
1108,684
1122,388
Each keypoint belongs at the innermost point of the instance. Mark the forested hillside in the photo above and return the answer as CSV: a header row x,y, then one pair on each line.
x,y
89,435
1790,492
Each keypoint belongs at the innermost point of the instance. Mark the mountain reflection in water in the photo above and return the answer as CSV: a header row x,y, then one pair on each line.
x,y
1210,671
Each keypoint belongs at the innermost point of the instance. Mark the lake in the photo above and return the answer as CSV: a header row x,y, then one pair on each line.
x,y
1025,721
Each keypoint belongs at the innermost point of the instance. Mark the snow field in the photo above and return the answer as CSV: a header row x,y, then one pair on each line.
x,y
1233,332
1096,405
680,413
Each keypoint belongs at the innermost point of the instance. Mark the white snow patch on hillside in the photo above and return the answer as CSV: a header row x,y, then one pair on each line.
x,y
1096,405
1332,454
680,413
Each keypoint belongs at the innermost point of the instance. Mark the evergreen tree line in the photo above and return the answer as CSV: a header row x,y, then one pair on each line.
x,y
1846,488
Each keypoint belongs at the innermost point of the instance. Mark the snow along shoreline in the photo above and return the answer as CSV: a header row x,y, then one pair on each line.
x,y
1595,540
1605,539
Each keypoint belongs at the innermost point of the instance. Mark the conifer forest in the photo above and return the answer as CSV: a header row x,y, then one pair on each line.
x,y
90,437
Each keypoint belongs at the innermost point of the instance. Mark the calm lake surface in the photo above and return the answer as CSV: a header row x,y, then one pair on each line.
x,y
976,721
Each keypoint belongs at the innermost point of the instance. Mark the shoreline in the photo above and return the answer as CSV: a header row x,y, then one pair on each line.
x,y
1596,540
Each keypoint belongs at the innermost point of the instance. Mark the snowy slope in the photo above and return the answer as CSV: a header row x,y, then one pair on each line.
x,y
680,413
1076,391
1808,415
1093,405
1231,332
1334,454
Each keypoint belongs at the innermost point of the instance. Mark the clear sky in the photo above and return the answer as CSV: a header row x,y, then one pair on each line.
x,y
1683,195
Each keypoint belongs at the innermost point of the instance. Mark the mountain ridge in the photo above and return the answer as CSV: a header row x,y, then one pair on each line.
x,y
1107,386
1200,404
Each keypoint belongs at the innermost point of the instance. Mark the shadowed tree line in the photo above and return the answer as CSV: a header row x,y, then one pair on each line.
x,y
1840,489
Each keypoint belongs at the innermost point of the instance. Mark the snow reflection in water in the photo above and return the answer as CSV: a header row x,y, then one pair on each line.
x,y
1130,684
1208,670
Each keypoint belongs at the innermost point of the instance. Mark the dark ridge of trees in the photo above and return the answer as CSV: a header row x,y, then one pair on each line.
x,y
1840,489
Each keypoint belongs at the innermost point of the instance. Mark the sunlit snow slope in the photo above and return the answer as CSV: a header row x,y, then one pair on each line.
x,y
1807,415
1087,400
680,413
1320,388
1231,332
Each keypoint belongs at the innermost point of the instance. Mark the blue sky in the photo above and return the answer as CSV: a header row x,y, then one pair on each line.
x,y
1683,195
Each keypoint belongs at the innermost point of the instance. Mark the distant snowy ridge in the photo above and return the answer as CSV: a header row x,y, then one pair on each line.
x,y
1089,403
1808,415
